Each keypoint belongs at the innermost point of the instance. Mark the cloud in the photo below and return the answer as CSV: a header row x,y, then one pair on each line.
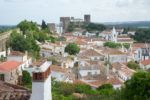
x,y
51,10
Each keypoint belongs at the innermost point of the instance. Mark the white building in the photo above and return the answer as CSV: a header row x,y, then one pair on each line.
x,y
122,71
61,74
114,35
41,83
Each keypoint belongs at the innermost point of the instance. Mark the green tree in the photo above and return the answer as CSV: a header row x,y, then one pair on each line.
x,y
27,26
44,25
17,42
138,87
105,86
133,65
95,27
142,35
26,78
72,49
112,44
126,45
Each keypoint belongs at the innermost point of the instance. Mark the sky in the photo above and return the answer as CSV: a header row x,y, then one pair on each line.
x,y
14,11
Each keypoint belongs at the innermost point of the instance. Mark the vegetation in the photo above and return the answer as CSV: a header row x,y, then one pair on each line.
x,y
112,44
18,42
44,25
95,27
138,87
126,45
133,65
26,41
27,26
142,35
72,49
26,79
88,27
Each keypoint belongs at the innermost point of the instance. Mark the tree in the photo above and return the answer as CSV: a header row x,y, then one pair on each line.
x,y
26,78
126,45
105,86
95,27
44,25
138,87
17,42
133,65
142,35
72,49
26,26
112,44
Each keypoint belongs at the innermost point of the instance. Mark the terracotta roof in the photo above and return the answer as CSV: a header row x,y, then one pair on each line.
x,y
120,67
89,53
16,53
111,51
140,45
58,69
9,65
145,62
13,92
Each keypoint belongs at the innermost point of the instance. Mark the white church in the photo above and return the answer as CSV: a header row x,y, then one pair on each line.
x,y
110,35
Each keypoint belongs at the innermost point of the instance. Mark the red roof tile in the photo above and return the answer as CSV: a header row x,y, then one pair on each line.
x,y
9,65
146,62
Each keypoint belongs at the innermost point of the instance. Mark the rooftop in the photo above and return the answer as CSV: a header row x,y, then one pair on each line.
x,y
145,62
9,65
13,92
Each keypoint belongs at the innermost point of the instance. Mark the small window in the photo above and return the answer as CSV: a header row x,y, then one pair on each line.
x,y
2,77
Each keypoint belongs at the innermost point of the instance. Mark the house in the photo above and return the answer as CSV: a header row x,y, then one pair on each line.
x,y
145,64
122,71
113,55
131,32
124,39
67,62
10,71
20,57
141,51
95,41
13,92
51,49
90,54
88,70
61,74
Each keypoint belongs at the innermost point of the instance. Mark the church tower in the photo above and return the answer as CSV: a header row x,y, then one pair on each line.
x,y
41,82
114,35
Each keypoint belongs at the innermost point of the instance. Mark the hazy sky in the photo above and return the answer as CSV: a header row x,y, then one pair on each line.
x,y
13,11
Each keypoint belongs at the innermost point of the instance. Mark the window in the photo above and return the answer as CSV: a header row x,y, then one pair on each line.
x,y
2,77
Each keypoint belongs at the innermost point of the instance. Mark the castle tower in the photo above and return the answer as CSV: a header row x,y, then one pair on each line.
x,y
41,82
114,35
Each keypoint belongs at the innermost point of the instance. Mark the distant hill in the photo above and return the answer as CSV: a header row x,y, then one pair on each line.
x,y
131,24
5,27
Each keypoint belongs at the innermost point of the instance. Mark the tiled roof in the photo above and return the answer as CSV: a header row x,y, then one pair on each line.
x,y
111,51
58,69
140,45
13,92
16,53
145,62
89,53
9,65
